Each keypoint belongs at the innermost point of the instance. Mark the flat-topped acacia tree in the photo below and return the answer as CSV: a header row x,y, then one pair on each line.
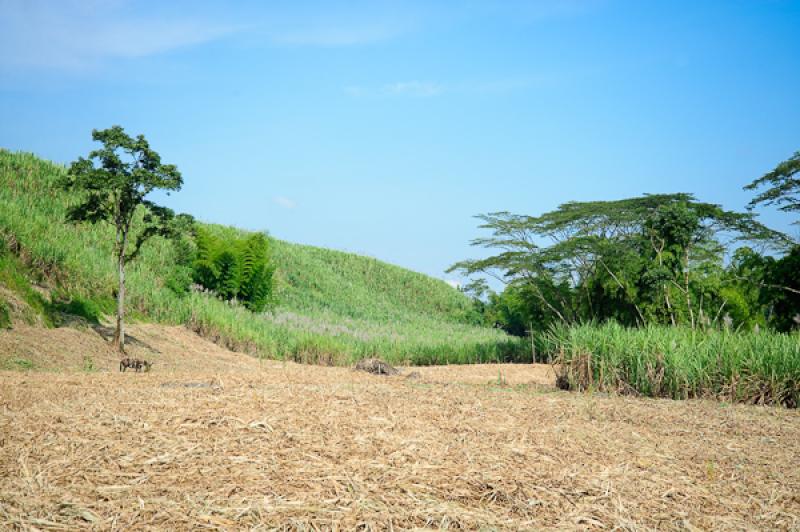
x,y
114,182
784,186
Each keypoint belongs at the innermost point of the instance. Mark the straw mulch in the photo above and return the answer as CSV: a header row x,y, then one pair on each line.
x,y
288,446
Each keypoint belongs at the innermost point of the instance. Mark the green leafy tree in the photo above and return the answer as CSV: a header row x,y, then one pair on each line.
x,y
782,282
783,184
638,260
114,182
779,280
179,280
743,292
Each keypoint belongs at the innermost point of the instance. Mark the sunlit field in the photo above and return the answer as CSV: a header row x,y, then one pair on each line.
x,y
330,307
221,440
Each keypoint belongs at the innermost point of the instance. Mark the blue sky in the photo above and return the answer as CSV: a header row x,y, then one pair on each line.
x,y
382,127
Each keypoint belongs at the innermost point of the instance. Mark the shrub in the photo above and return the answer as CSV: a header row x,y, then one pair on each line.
x,y
235,268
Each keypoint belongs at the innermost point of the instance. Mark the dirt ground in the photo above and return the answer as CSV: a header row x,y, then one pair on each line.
x,y
217,440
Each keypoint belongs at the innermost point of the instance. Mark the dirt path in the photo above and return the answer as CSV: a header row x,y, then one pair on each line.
x,y
216,439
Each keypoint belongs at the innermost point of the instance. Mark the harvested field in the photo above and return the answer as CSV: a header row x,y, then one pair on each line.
x,y
217,440
68,349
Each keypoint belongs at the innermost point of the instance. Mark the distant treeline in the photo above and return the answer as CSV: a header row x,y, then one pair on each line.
x,y
661,259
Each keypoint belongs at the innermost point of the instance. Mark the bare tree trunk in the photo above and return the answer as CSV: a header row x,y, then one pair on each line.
x,y
543,299
659,251
624,289
701,315
119,334
686,283
669,305
719,312
768,285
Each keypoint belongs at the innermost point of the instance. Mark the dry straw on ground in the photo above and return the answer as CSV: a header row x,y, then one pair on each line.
x,y
230,443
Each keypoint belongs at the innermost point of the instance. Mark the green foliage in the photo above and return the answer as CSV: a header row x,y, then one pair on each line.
x,y
90,310
14,276
782,283
784,186
5,315
181,233
20,364
655,361
113,184
18,278
737,307
235,268
315,279
769,287
329,306
515,310
655,259
227,282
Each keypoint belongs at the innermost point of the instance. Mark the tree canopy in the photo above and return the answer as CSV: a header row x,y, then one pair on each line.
x,y
784,186
650,259
114,182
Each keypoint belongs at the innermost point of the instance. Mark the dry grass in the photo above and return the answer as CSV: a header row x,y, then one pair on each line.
x,y
68,349
216,440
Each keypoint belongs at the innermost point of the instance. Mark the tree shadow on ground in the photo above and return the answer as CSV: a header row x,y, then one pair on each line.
x,y
107,333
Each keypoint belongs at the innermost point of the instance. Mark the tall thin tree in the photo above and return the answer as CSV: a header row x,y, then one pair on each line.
x,y
114,182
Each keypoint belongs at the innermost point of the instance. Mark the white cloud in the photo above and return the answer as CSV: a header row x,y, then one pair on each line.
x,y
286,203
80,34
452,282
73,34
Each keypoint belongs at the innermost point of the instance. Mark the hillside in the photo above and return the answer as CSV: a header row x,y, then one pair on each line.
x,y
311,278
331,307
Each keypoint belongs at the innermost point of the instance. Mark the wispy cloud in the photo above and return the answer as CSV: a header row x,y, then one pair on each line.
x,y
73,34
284,202
80,34
352,23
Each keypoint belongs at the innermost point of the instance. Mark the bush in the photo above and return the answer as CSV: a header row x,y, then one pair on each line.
x,y
235,268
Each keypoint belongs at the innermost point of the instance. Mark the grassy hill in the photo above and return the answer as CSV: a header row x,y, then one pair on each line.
x,y
331,307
